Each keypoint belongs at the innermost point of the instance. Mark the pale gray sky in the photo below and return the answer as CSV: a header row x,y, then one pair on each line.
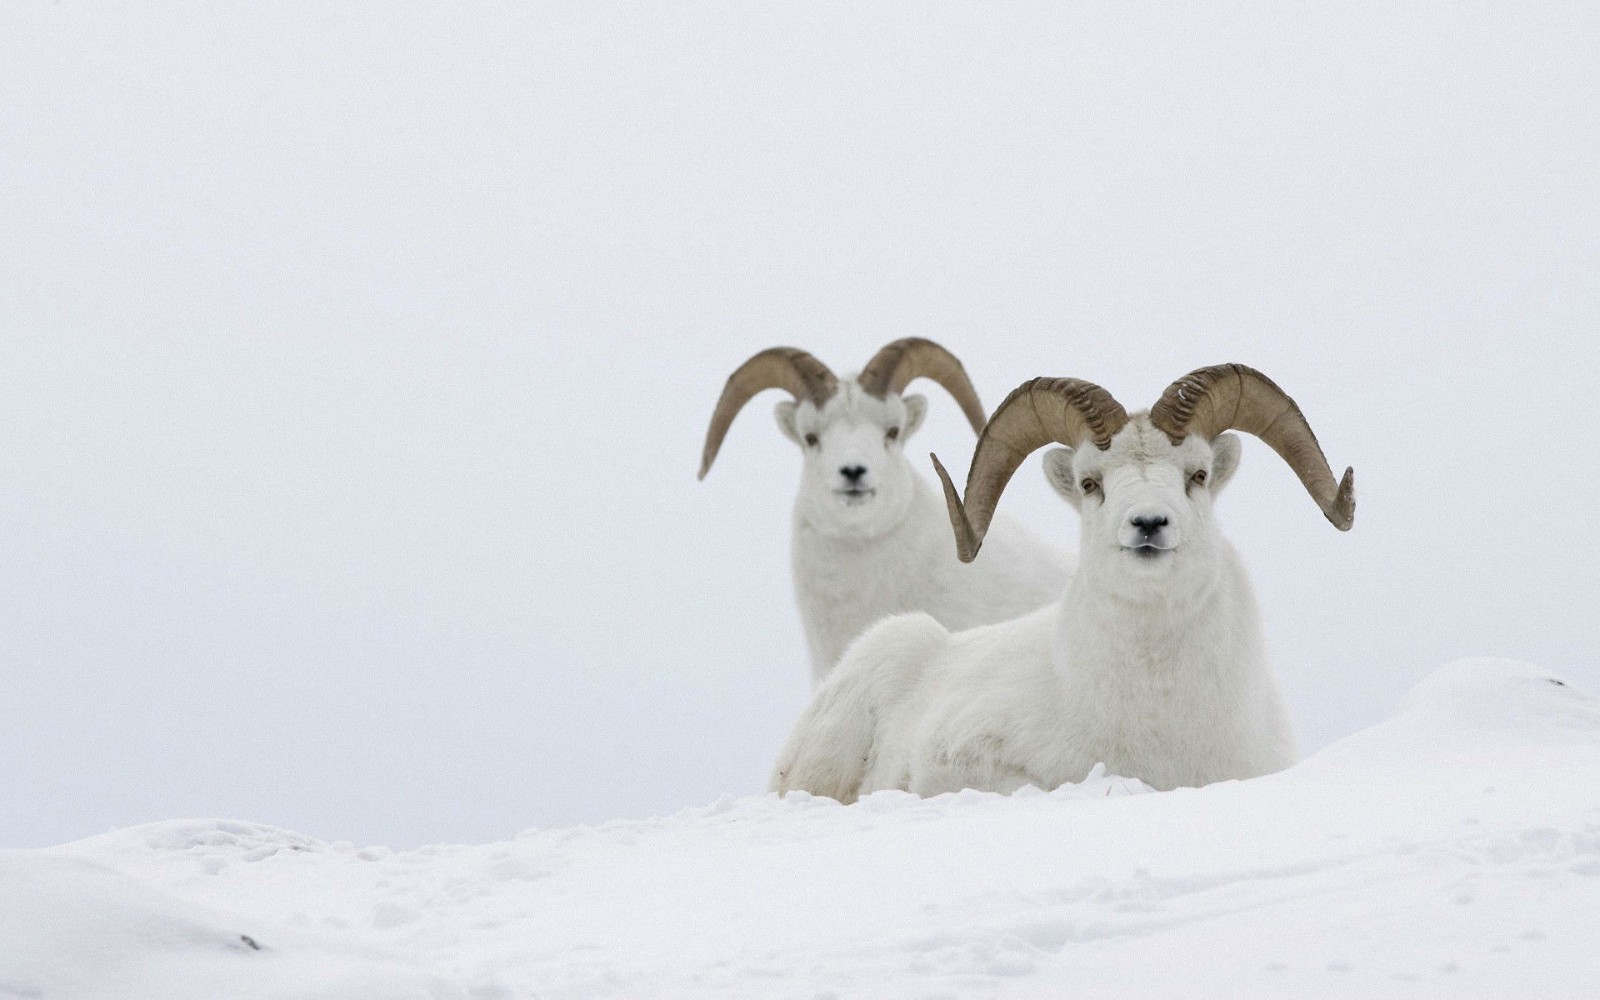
x,y
354,362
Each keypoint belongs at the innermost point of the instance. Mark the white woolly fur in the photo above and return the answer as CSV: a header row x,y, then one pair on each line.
x,y
1152,661
875,541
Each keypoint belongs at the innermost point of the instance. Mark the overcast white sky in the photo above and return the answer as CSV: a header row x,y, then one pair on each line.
x,y
354,362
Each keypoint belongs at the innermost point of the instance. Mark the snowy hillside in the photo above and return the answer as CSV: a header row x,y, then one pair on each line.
x,y
1451,851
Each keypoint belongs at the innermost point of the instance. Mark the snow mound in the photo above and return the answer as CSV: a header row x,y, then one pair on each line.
x,y
70,927
1491,693
1452,850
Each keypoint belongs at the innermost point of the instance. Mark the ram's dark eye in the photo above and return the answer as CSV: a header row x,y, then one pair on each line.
x,y
894,433
811,440
1199,478
1088,486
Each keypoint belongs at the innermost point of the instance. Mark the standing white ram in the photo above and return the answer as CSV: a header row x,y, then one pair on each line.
x,y
1153,661
871,537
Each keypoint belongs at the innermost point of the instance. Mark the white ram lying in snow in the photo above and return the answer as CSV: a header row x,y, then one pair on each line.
x,y
1153,661
871,538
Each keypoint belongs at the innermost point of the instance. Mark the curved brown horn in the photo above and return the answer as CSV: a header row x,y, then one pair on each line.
x,y
774,368
899,364
1065,410
1234,397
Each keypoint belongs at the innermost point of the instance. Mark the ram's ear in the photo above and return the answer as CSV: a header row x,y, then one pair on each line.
x,y
785,414
1225,452
1058,472
916,412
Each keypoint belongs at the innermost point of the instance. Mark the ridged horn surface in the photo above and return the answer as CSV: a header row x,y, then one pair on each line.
x,y
1067,411
788,368
902,362
1211,400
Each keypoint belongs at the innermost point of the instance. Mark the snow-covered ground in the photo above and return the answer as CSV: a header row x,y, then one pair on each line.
x,y
1453,850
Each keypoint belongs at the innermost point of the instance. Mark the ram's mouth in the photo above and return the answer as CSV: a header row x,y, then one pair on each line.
x,y
853,498
1146,551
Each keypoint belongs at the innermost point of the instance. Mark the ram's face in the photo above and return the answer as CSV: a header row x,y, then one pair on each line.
x,y
856,481
1144,500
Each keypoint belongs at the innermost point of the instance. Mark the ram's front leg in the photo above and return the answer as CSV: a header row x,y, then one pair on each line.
x,y
955,762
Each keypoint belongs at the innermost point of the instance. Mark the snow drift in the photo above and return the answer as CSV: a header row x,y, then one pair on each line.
x,y
1453,850
72,928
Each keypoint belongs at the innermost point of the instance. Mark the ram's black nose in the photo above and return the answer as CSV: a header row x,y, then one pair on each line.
x,y
1149,524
